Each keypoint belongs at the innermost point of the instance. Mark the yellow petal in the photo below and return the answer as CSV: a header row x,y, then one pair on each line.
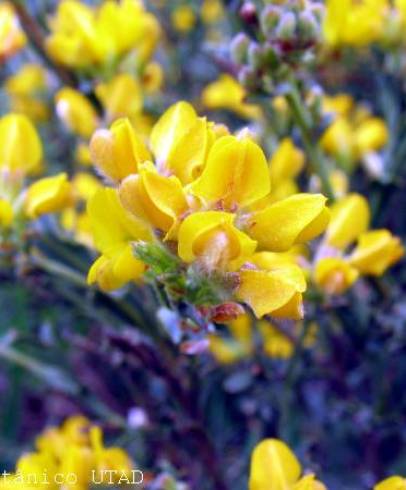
x,y
118,152
309,482
212,237
371,135
236,173
273,466
376,251
48,195
227,93
187,156
170,128
111,224
349,218
153,197
335,275
275,292
392,483
286,162
296,219
121,97
76,111
339,139
20,146
6,213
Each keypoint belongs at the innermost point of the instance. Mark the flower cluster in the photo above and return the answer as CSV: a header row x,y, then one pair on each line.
x,y
89,38
71,456
205,197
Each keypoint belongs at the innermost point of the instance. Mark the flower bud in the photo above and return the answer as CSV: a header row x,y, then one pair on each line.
x,y
255,56
286,27
117,152
248,78
239,48
6,213
248,13
308,27
269,20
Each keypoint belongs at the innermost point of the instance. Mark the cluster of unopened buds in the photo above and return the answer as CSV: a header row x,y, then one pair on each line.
x,y
197,202
288,33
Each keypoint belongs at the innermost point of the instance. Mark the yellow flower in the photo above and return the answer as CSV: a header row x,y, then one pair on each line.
x,y
236,173
275,467
227,93
118,152
113,231
212,11
85,37
349,218
392,483
76,111
20,146
276,292
371,135
212,238
121,97
296,219
340,104
153,77
12,39
183,18
286,162
6,213
47,195
180,141
335,275
29,79
354,23
240,345
276,344
376,251
157,199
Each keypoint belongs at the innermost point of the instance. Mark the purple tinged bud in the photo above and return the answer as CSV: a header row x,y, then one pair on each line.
x,y
286,29
239,48
269,19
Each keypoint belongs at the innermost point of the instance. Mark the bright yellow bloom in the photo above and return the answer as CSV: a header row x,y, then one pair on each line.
x,y
239,346
6,213
29,79
227,93
48,195
20,146
349,218
113,231
375,252
118,152
86,37
236,173
392,483
76,111
152,77
76,448
371,135
275,467
121,97
293,220
212,238
352,22
12,38
183,18
157,199
276,292
335,275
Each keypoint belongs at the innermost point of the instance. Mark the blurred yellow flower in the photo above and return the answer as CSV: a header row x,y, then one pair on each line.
x,y
275,467
20,145
12,38
76,111
392,483
227,93
183,18
48,195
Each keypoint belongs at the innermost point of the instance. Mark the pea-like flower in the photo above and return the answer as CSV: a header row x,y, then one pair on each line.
x,y
205,194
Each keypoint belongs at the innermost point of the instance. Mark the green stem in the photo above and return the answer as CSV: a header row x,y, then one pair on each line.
x,y
58,269
304,123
